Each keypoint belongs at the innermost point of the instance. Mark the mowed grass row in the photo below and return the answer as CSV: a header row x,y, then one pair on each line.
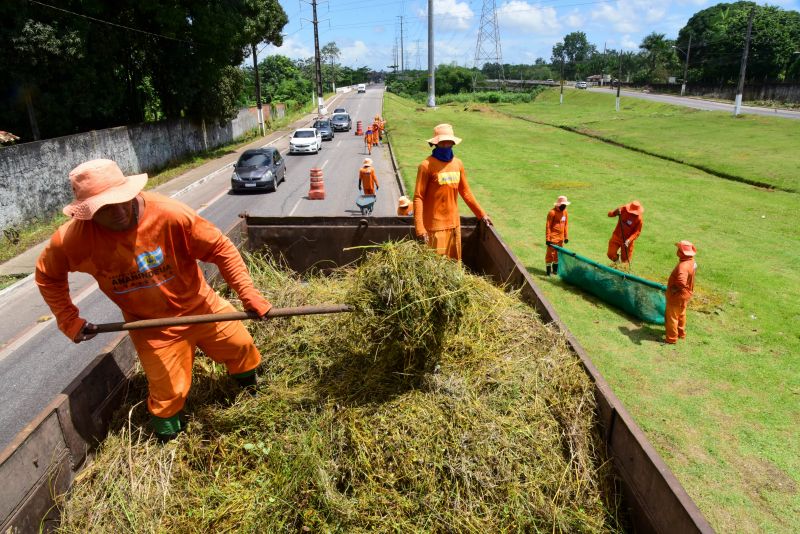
x,y
722,408
752,147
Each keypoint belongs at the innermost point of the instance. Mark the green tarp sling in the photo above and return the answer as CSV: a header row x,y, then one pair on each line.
x,y
637,296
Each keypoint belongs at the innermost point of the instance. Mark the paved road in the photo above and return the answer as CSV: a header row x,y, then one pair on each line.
x,y
698,103
37,361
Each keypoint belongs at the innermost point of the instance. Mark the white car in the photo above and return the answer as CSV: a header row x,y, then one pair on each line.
x,y
362,88
581,85
305,140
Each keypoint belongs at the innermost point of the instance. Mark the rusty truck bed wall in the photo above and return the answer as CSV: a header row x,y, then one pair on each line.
x,y
45,457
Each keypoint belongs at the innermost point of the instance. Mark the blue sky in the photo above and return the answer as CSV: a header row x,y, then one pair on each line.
x,y
365,30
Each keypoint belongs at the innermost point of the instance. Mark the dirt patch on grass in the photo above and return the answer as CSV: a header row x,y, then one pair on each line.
x,y
762,476
566,185
707,300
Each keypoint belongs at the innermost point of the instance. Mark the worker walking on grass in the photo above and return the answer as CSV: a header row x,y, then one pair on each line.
x,y
680,288
629,226
404,206
556,233
441,178
143,248
367,180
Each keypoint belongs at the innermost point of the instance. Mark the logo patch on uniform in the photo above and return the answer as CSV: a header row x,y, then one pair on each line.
x,y
563,219
448,177
150,260
629,222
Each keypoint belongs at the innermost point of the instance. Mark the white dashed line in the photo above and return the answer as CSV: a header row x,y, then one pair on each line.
x,y
297,205
323,165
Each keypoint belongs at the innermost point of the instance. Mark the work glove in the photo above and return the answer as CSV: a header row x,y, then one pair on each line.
x,y
86,333
424,238
627,243
548,243
487,220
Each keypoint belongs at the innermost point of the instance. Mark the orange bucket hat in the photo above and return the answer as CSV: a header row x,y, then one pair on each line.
x,y
635,208
403,202
443,132
367,162
97,183
562,200
686,248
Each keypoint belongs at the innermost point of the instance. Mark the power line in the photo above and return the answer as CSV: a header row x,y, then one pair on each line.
x,y
111,23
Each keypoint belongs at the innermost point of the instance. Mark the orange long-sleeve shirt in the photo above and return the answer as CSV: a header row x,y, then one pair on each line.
x,y
557,226
149,271
436,195
681,282
631,225
367,180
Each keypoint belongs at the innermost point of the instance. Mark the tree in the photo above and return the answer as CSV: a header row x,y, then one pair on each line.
x,y
330,53
575,49
659,56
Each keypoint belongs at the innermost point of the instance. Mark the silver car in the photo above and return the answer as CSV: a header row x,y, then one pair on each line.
x,y
341,122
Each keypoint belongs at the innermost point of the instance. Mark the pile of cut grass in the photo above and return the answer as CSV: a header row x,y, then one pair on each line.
x,y
441,404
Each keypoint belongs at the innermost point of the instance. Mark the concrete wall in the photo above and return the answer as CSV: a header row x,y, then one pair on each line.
x,y
779,92
34,176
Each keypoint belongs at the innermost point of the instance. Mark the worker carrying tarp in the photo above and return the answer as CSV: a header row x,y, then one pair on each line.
x,y
629,226
441,178
556,232
367,180
142,248
637,296
680,288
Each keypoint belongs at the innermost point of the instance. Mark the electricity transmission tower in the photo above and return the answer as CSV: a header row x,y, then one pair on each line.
x,y
417,63
488,48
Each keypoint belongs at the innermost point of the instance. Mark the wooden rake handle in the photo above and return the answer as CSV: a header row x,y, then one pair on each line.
x,y
220,317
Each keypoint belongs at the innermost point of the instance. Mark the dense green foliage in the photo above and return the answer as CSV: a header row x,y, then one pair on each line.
x,y
64,72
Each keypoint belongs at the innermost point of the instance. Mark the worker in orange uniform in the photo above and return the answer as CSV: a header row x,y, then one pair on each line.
x,y
368,140
556,232
377,127
367,180
404,206
679,292
142,248
629,226
440,179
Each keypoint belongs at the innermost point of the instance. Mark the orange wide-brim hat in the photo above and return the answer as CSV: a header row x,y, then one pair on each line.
x,y
403,202
443,132
562,200
635,208
100,182
367,162
686,248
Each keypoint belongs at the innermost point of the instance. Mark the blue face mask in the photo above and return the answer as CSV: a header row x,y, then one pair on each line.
x,y
443,153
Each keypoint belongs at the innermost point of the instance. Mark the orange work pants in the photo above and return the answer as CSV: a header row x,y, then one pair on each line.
x,y
617,246
169,369
446,242
675,319
551,256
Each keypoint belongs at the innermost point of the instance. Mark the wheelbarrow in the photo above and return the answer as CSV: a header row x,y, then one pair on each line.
x,y
366,203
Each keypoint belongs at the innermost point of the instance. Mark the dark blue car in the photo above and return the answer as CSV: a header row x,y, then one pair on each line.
x,y
259,168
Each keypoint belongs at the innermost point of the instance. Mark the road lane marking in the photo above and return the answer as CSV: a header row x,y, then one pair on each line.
x,y
297,205
26,336
323,165
208,204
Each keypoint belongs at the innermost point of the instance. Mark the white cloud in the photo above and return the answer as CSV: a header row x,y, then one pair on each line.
x,y
524,16
574,20
354,54
449,15
292,47
629,43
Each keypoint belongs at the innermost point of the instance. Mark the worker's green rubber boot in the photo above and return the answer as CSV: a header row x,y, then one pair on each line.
x,y
167,428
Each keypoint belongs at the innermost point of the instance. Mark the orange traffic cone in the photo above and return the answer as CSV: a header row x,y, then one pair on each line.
x,y
317,190
359,131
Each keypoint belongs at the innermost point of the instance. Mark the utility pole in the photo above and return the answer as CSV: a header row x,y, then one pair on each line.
x,y
417,63
603,73
619,78
686,66
431,68
737,108
402,54
561,96
317,66
260,112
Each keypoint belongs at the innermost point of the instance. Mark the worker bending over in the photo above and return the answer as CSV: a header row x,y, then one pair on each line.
x,y
680,288
142,248
367,181
629,226
441,178
556,233
404,206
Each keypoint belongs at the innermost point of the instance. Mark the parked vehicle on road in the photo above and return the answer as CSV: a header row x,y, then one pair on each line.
x,y
305,140
325,129
581,85
362,88
260,168
341,122
339,110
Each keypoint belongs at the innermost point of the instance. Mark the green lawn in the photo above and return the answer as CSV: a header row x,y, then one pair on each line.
x,y
753,147
722,408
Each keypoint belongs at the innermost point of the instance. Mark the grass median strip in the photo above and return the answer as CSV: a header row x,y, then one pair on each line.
x,y
722,407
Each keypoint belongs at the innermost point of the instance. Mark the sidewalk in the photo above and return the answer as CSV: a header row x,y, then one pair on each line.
x,y
25,263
